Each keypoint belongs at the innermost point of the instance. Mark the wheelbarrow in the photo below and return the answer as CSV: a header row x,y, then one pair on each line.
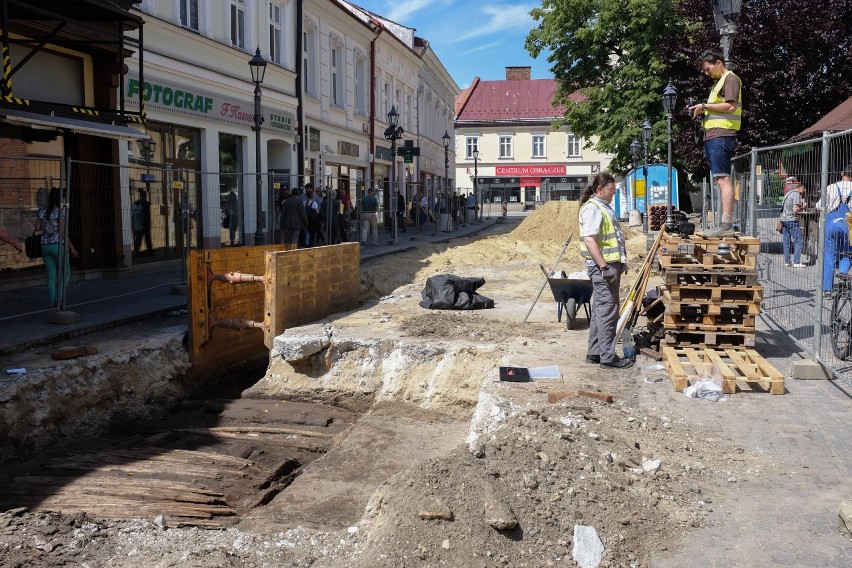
x,y
570,294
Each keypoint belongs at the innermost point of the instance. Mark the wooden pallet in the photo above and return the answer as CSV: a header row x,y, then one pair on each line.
x,y
750,307
715,294
707,261
729,320
741,243
701,276
708,339
734,366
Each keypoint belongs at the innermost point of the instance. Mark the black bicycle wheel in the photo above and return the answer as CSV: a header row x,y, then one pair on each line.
x,y
571,313
841,325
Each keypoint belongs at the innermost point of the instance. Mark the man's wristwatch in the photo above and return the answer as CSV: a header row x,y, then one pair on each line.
x,y
703,106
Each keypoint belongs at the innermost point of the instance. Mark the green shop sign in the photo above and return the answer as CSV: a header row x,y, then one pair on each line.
x,y
170,97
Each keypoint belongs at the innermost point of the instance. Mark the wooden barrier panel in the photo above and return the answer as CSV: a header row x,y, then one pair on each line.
x,y
305,285
212,301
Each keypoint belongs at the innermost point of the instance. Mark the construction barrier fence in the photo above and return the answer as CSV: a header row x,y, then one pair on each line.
x,y
804,268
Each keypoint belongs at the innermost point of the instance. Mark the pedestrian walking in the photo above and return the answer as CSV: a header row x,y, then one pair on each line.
x,y
369,218
791,231
50,221
602,245
400,211
294,218
141,221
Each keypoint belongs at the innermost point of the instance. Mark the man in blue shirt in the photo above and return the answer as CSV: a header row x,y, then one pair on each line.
x,y
369,217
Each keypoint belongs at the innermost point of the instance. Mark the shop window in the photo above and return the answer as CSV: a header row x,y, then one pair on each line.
x,y
231,187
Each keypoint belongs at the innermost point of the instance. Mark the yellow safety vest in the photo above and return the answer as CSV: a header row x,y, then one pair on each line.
x,y
714,119
607,238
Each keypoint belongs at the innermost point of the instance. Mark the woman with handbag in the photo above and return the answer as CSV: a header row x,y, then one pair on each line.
x,y
790,229
51,223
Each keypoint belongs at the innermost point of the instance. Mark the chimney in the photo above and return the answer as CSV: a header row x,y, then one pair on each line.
x,y
518,73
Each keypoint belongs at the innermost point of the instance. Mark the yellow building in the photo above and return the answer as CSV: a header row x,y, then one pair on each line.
x,y
521,158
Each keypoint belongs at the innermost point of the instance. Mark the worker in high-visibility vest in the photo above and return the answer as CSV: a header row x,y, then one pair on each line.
x,y
722,114
602,245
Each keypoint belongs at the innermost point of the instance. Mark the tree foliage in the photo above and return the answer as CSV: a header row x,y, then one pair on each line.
x,y
793,56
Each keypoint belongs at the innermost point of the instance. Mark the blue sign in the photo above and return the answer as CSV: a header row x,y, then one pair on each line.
x,y
656,189
147,178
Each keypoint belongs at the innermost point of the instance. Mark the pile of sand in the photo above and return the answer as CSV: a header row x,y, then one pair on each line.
x,y
538,240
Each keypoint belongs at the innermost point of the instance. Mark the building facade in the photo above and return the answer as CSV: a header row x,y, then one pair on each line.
x,y
522,159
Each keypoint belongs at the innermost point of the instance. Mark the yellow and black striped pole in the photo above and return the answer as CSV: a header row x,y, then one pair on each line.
x,y
7,72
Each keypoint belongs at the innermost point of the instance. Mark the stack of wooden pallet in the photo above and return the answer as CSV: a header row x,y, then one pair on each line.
x,y
711,295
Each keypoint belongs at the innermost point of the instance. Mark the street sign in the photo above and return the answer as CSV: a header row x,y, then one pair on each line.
x,y
147,178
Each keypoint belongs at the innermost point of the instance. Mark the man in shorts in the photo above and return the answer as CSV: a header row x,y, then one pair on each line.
x,y
722,115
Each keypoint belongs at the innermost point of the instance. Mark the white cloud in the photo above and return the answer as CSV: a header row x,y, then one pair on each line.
x,y
500,18
402,11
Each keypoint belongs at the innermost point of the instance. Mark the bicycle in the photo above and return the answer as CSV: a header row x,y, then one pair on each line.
x,y
841,317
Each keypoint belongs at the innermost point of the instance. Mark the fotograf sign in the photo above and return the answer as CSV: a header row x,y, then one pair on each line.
x,y
172,97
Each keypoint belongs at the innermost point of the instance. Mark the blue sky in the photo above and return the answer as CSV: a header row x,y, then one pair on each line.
x,y
471,38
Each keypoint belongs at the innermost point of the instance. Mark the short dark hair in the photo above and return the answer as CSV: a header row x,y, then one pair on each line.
x,y
710,56
371,190
847,171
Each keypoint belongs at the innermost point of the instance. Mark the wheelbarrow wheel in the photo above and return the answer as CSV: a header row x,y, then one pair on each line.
x,y
571,313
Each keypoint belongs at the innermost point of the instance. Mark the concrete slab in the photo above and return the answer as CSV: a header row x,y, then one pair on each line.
x,y
808,370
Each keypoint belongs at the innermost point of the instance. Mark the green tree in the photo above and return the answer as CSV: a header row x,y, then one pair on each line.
x,y
609,51
793,56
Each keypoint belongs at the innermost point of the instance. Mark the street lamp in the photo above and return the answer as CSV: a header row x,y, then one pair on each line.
x,y
669,102
634,155
449,203
476,194
646,142
726,14
393,133
257,64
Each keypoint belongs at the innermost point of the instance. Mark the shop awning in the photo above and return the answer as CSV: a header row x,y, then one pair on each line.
x,y
119,132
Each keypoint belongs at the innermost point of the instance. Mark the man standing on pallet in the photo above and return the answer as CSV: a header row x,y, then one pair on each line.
x,y
722,118
602,245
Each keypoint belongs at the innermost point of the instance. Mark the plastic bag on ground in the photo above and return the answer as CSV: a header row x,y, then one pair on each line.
x,y
705,389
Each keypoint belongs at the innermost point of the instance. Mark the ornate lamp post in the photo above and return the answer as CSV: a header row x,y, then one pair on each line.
x,y
669,102
393,133
476,195
646,141
450,203
634,156
726,14
257,64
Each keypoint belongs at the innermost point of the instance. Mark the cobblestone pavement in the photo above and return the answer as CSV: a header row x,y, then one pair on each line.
x,y
786,514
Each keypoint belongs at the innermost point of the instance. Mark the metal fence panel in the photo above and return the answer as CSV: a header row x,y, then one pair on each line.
x,y
24,185
799,299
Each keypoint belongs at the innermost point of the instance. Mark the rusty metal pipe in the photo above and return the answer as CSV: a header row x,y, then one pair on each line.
x,y
233,277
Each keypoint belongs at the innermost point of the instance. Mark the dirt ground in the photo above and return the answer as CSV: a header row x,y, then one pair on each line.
x,y
452,467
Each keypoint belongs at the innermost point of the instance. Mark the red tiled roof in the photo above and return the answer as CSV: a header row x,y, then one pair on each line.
x,y
838,119
511,100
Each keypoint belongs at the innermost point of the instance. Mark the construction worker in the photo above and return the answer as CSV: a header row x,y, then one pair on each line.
x,y
602,245
722,118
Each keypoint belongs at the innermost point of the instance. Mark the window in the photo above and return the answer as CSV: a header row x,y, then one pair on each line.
x,y
335,76
360,86
538,150
275,47
573,146
189,14
471,145
505,146
387,100
238,23
409,117
308,59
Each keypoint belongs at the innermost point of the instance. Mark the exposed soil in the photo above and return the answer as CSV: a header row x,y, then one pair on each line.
x,y
450,466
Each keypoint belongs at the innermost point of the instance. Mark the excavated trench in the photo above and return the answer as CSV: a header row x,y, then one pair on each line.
x,y
303,443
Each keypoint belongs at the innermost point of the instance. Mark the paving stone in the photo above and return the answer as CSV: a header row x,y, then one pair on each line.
x,y
783,559
811,559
